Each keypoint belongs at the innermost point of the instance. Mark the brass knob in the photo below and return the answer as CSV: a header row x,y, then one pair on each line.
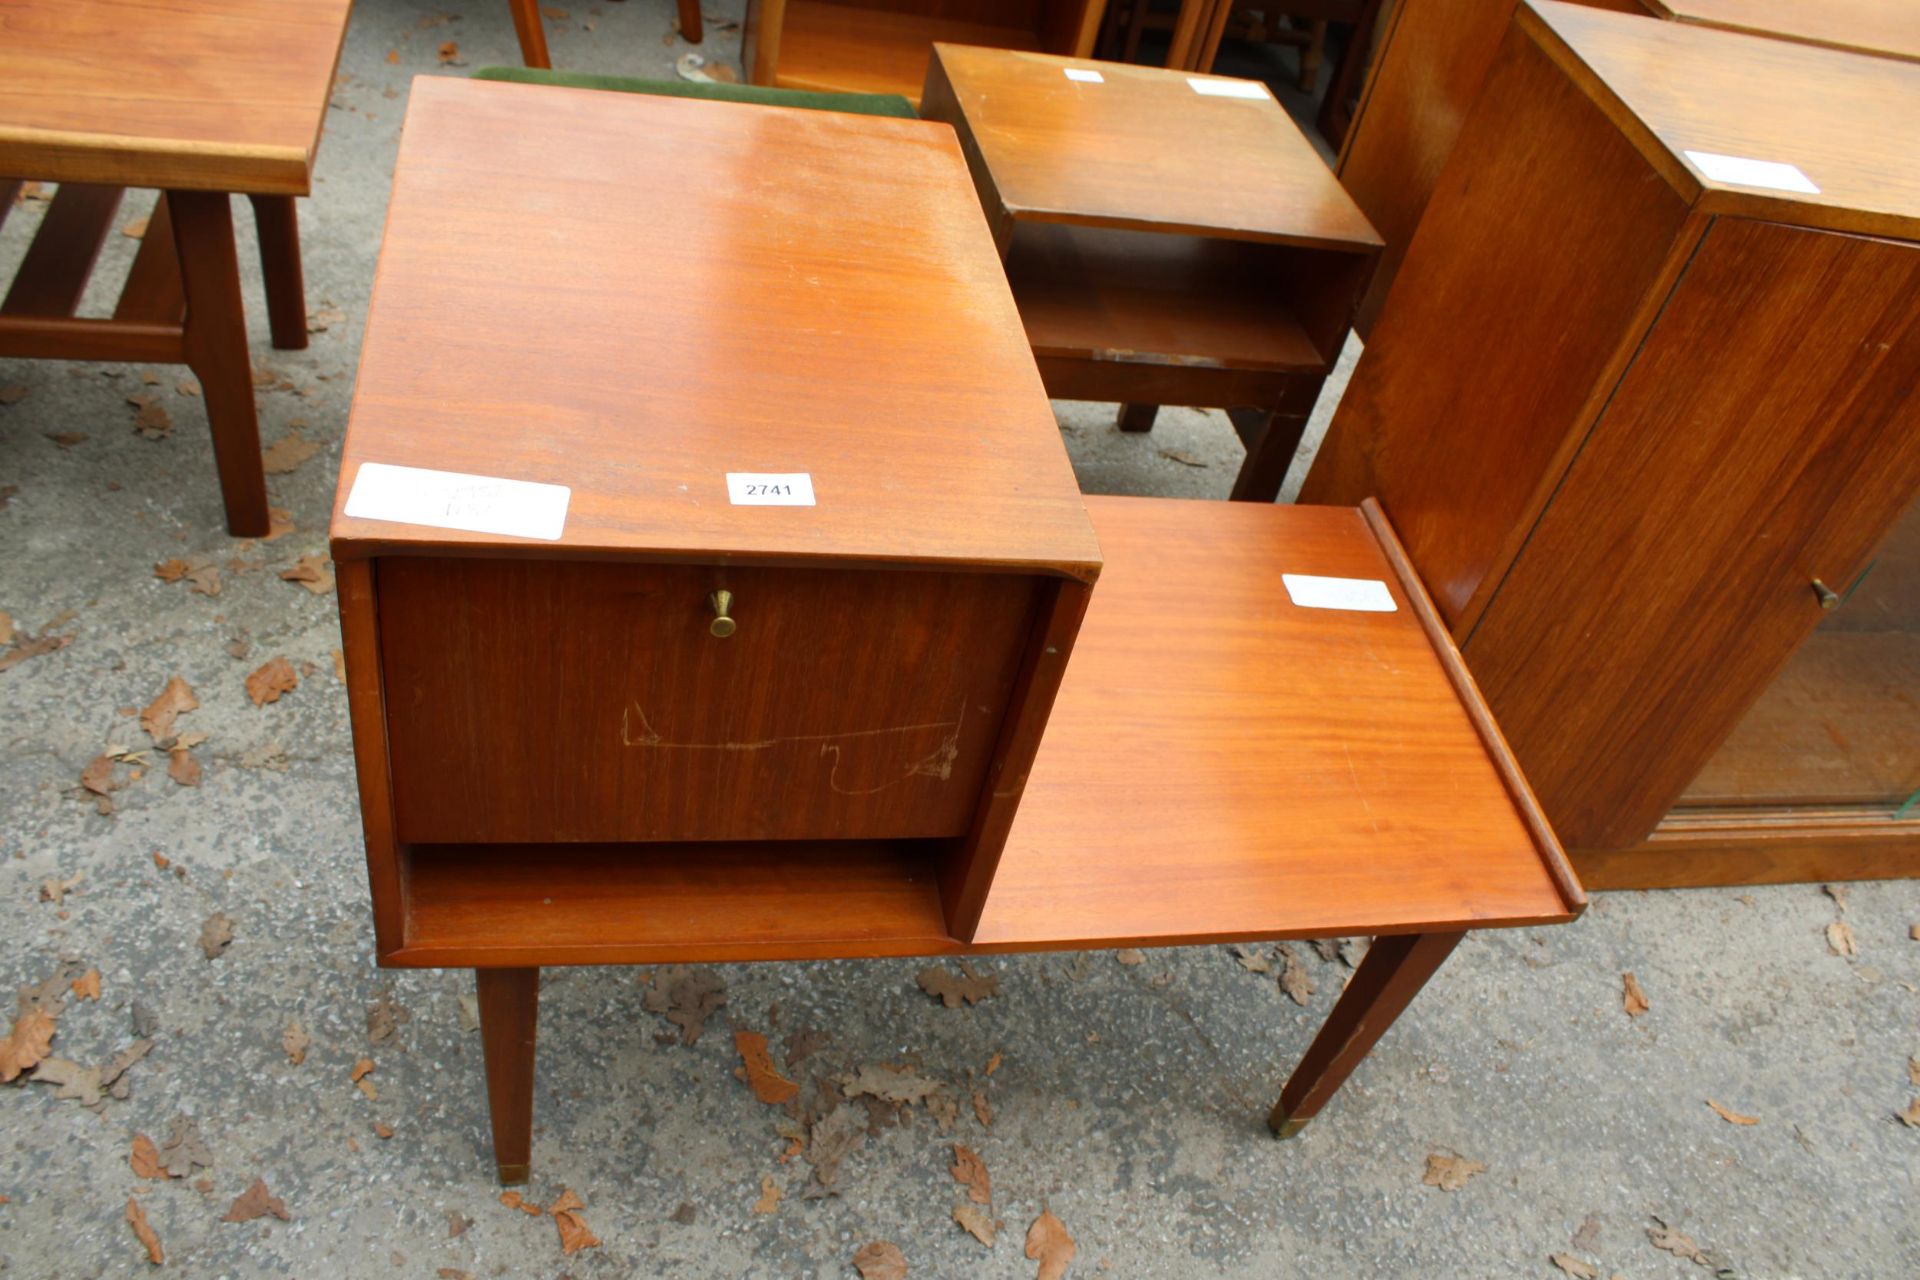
x,y
1824,594
722,626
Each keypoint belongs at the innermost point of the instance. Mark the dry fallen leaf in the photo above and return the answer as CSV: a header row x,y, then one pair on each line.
x,y
150,419
1574,1267
270,681
1632,998
137,1219
768,1084
982,1109
295,1041
145,1158
950,990
976,1221
384,1017
686,997
1049,1244
1130,956
830,1140
1731,1117
311,572
1913,1070
574,1235
287,453
514,1200
880,1260
216,935
1665,1237
183,768
1449,1173
255,1202
381,1129
1840,939
183,1151
1911,1116
970,1171
56,890
87,985
769,1201
1251,959
135,228
889,1085
30,1040
76,1083
279,524
449,54
1184,459
67,439
1294,978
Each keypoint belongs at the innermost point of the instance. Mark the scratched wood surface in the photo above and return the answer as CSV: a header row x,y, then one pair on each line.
x,y
541,701
1890,28
227,95
1294,772
1143,150
813,292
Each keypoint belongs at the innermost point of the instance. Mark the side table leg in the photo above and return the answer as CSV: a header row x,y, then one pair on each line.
x,y
533,36
692,30
1138,417
1272,438
216,342
1391,974
509,1010
278,226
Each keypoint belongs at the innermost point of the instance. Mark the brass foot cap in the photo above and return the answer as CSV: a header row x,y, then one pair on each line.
x,y
1286,1128
512,1175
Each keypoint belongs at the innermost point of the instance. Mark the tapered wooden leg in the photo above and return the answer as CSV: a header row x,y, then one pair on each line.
x,y
1138,417
690,27
1392,972
509,1010
278,226
533,36
216,342
1272,437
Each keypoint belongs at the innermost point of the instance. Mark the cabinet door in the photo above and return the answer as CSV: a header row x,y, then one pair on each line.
x,y
1766,436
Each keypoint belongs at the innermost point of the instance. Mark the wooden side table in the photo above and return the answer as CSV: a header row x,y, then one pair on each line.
x,y
575,763
200,101
1884,28
1170,238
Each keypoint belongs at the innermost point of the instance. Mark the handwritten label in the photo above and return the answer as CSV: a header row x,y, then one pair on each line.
x,y
1228,88
1363,595
454,500
770,488
1084,76
1744,172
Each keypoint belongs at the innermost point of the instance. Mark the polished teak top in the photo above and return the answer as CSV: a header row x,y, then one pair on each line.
x,y
1143,148
635,296
1889,28
225,95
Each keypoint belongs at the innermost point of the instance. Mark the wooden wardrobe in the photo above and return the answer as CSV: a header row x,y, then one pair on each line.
x,y
1646,411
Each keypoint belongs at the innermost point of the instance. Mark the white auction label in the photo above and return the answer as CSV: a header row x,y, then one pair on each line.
x,y
1084,76
454,500
1364,595
770,488
1228,88
1744,172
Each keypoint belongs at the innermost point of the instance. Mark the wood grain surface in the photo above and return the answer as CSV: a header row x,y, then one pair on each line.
x,y
1846,121
1671,578
811,292
1143,150
223,95
1890,28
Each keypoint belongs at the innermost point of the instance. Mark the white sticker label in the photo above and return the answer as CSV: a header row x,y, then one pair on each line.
x,y
1752,173
770,488
1084,76
452,500
1228,88
1365,595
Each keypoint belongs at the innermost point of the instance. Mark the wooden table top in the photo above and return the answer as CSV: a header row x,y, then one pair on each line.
x,y
1142,149
1276,770
634,296
1889,28
1846,122
221,95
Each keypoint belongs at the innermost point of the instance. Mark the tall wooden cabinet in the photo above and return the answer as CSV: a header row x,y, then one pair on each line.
x,y
1644,404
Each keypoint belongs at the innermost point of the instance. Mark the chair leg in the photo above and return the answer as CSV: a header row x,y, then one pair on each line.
x,y
1272,437
690,28
533,36
216,342
278,225
1138,417
509,1012
1313,54
1390,975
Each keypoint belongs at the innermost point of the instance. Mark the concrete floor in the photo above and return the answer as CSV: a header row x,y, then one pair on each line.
x,y
1129,1099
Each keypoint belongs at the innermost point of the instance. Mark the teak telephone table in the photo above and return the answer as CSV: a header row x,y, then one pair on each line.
x,y
645,722
1142,276
200,101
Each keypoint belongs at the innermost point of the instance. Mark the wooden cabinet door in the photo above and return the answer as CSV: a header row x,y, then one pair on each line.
x,y
1766,435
